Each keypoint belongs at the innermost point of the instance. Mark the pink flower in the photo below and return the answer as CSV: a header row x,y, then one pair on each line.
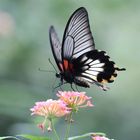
x,y
7,24
74,100
49,109
99,138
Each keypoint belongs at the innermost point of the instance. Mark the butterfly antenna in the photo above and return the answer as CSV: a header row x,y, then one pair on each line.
x,y
46,70
52,65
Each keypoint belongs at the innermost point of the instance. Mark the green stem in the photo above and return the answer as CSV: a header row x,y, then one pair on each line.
x,y
68,126
86,135
53,128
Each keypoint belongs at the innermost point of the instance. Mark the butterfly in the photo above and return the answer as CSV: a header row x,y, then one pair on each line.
x,y
77,59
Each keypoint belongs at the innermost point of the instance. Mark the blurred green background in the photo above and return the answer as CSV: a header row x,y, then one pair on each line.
x,y
24,47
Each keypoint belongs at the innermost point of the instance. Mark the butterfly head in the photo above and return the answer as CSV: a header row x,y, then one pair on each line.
x,y
58,75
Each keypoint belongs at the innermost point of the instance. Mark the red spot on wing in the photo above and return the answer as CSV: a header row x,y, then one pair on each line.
x,y
66,64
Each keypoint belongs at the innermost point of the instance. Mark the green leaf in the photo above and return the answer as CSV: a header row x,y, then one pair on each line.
x,y
25,137
8,137
31,137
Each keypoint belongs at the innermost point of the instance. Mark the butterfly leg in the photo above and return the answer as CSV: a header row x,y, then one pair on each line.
x,y
76,88
59,86
72,87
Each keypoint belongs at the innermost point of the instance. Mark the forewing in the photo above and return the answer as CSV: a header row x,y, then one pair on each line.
x,y
56,47
77,38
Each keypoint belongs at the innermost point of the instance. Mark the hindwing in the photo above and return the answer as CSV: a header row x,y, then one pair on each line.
x,y
94,67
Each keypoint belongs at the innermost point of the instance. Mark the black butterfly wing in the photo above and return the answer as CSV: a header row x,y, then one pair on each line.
x,y
56,47
77,39
94,67
78,58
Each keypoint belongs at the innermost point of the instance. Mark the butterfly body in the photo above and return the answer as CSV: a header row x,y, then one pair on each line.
x,y
77,59
67,76
70,75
